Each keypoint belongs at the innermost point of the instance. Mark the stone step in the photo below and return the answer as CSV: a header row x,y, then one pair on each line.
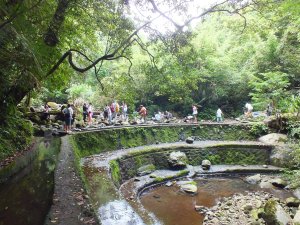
x,y
221,169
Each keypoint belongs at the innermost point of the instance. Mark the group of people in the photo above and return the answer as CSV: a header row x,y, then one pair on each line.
x,y
219,114
159,116
113,110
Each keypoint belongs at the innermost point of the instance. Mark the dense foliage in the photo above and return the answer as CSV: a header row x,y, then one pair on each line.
x,y
238,52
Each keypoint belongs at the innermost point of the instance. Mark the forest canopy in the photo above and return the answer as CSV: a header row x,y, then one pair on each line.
x,y
159,53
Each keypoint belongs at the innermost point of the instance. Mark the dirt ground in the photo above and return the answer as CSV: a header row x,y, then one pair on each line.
x,y
70,202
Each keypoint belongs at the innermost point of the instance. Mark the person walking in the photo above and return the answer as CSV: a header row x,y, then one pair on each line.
x,y
46,112
249,109
143,113
269,109
113,109
109,114
68,112
219,115
90,113
117,108
84,111
124,111
195,113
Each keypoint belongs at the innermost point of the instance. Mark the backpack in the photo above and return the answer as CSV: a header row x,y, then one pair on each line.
x,y
67,114
112,109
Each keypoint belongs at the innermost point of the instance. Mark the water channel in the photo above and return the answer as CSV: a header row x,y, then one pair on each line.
x,y
27,196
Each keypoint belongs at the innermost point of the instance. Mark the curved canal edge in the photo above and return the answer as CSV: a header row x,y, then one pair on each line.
x,y
70,202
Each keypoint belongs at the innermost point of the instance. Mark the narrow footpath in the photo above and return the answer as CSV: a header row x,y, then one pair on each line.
x,y
70,204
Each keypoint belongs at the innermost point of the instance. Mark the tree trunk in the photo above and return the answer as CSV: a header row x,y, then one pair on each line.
x,y
51,36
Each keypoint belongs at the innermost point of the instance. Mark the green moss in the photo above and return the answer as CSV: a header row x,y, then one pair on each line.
x,y
193,183
269,214
111,139
179,174
258,129
160,179
182,173
214,159
115,172
89,143
16,134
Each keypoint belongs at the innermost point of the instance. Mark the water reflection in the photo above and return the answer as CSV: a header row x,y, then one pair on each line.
x,y
172,206
25,199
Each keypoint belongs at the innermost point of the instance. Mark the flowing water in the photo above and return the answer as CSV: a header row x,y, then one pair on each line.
x,y
25,199
174,207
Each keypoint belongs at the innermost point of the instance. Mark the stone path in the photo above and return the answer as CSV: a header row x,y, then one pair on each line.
x,y
97,127
70,206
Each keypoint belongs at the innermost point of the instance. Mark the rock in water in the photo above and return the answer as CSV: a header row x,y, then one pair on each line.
x,y
190,188
255,179
177,160
206,164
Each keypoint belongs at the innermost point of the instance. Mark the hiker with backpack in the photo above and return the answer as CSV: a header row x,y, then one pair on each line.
x,y
68,112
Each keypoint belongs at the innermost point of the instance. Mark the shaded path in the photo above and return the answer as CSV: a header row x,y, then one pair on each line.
x,y
70,206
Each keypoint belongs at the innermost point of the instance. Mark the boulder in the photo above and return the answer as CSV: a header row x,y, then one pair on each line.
x,y
133,122
274,214
274,139
177,160
35,118
53,105
278,182
189,188
189,140
265,184
247,208
296,219
206,164
281,156
292,202
144,170
296,192
255,179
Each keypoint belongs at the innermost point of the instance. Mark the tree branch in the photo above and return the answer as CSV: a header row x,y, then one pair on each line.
x,y
16,14
126,43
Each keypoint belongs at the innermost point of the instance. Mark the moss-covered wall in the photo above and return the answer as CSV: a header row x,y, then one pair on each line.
x,y
227,155
90,143
15,136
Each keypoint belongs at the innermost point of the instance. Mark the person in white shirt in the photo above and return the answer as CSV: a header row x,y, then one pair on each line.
x,y
219,115
249,109
124,111
195,113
